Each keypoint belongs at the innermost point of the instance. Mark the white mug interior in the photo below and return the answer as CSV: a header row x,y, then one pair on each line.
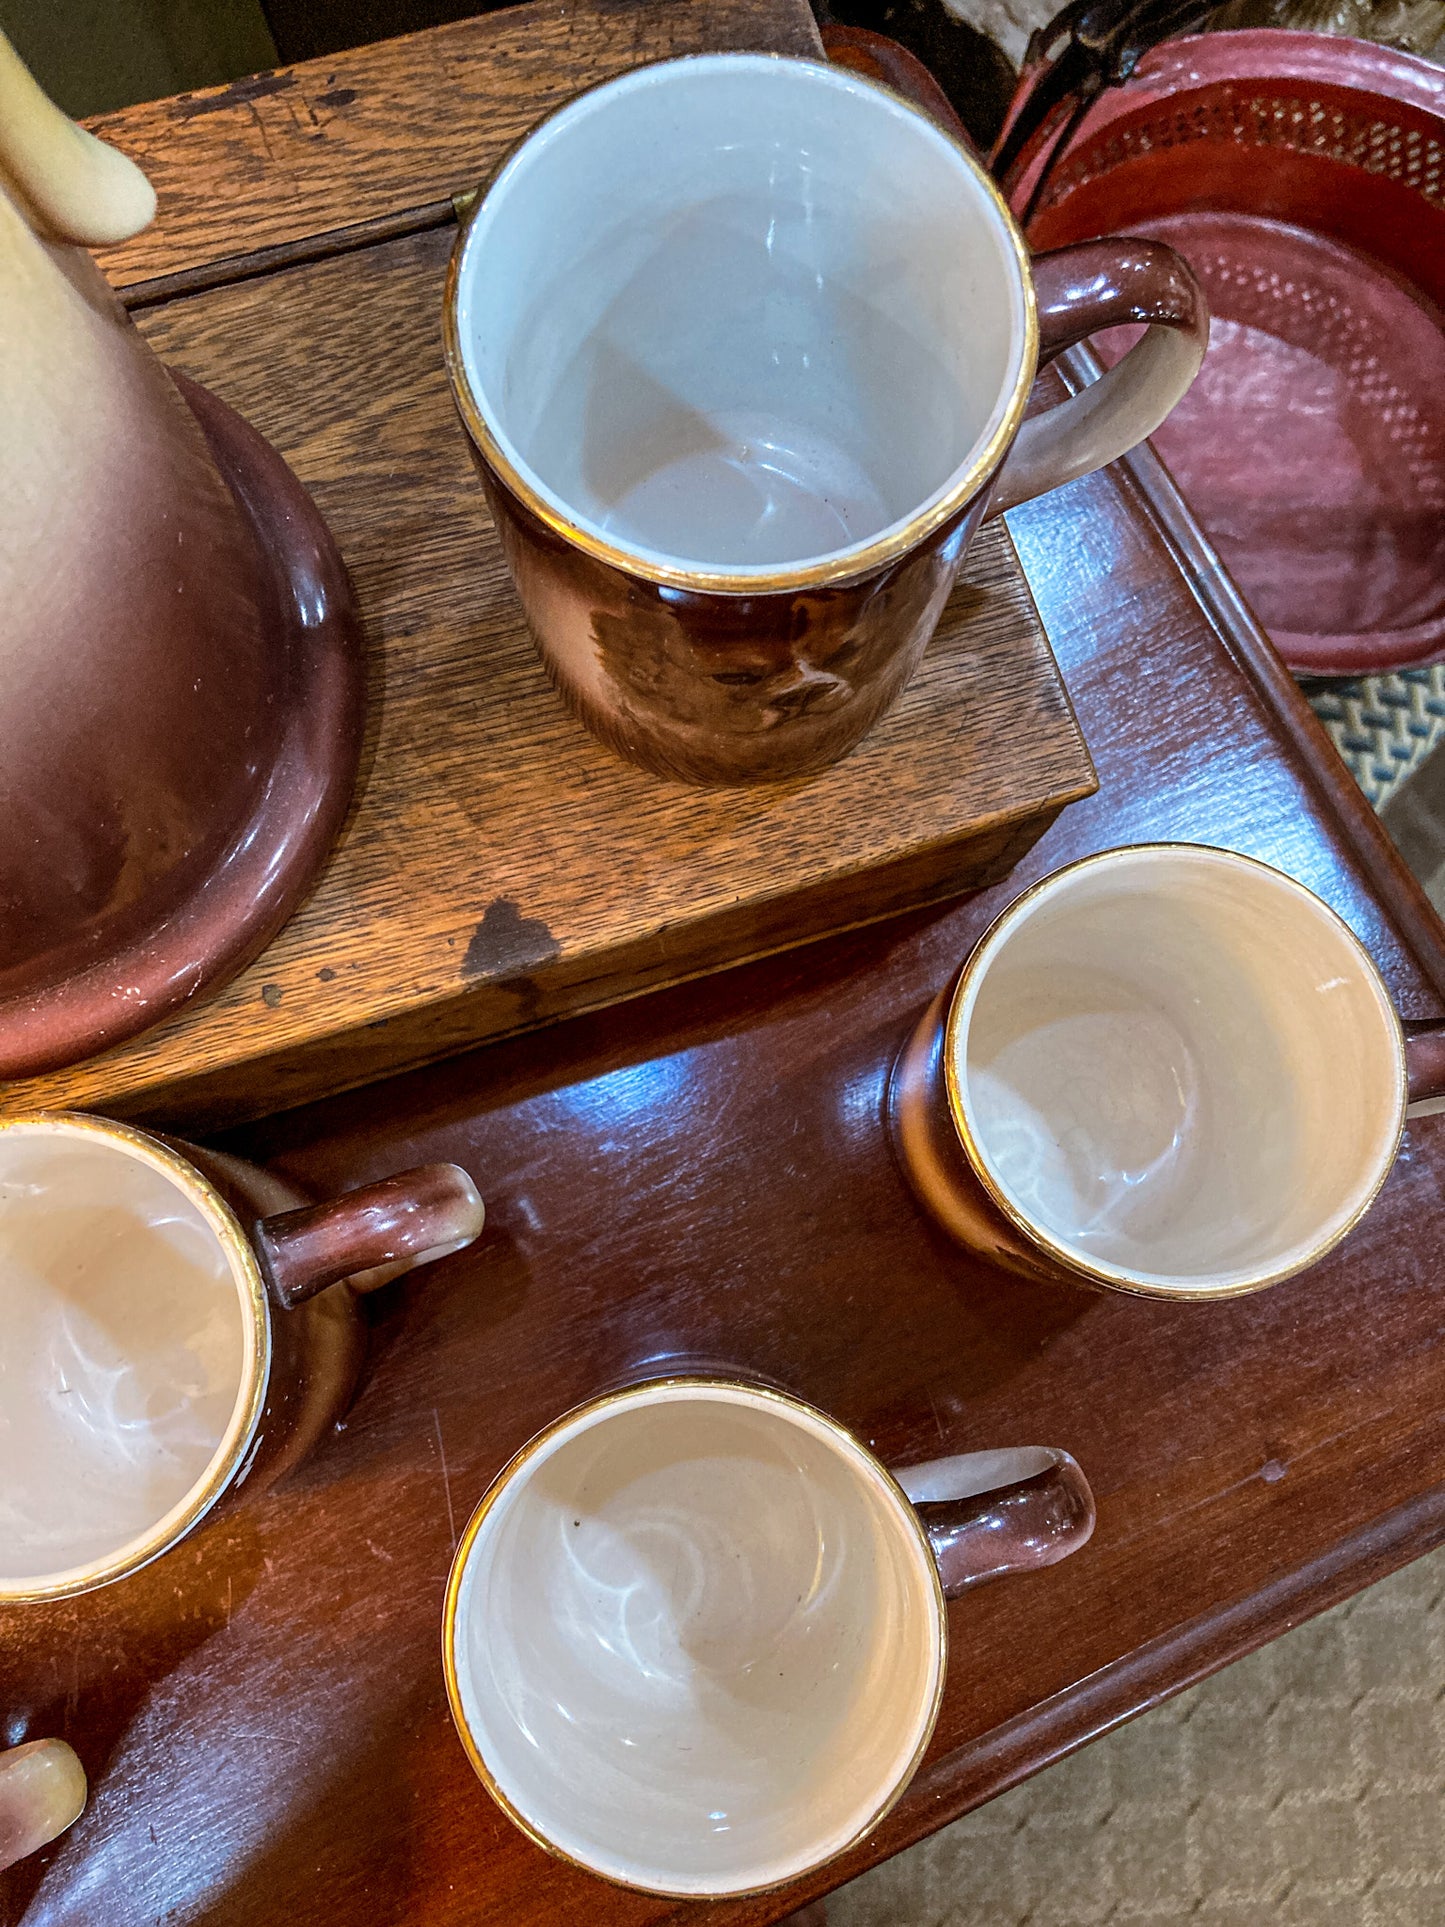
x,y
808,330
1179,1068
134,1353
697,1639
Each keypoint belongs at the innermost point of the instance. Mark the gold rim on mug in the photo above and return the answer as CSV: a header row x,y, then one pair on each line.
x,y
894,542
1037,1234
241,1429
629,1395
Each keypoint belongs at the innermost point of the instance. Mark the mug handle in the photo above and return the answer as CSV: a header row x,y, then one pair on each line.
x,y
377,1231
1425,1070
990,1513
42,1792
1080,289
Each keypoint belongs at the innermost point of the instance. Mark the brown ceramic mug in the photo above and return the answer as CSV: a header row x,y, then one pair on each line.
x,y
177,1324
743,345
1168,1069
695,1637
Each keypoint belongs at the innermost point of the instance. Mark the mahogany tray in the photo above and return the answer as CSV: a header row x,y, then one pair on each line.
x,y
705,1171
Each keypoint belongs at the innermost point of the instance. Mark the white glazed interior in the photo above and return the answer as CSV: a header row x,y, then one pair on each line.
x,y
787,340
698,1640
129,1357
1180,1067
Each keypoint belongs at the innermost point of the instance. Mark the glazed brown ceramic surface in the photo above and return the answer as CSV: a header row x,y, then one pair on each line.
x,y
726,688
576,1694
181,712
126,762
317,1349
941,1164
279,1254
191,921
307,1250
932,1155
266,1726
775,679
717,688
878,57
411,1219
1033,1522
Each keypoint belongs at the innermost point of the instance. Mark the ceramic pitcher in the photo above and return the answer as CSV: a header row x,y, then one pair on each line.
x,y
156,721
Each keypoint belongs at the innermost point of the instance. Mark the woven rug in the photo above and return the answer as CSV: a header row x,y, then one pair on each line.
x,y
1383,726
1301,1787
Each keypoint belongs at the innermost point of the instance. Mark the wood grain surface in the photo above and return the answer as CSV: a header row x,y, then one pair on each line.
x,y
705,1171
321,153
501,867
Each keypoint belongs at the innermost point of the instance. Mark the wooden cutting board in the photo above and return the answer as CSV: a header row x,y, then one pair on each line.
x,y
501,869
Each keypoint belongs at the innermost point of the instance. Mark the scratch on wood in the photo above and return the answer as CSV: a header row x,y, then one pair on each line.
x,y
446,1477
261,129
241,93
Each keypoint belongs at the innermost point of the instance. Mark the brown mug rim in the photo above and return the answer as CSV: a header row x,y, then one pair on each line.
x,y
845,565
227,1459
1068,1259
627,1394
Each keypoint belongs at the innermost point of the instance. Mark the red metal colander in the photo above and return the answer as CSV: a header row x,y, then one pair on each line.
x,y
1303,177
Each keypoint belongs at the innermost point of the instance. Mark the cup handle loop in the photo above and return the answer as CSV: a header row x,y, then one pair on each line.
x,y
1081,289
1096,284
370,1235
990,1513
1425,1070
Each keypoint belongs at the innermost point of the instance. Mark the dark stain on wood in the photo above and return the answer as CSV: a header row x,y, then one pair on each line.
x,y
271,995
240,93
506,942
